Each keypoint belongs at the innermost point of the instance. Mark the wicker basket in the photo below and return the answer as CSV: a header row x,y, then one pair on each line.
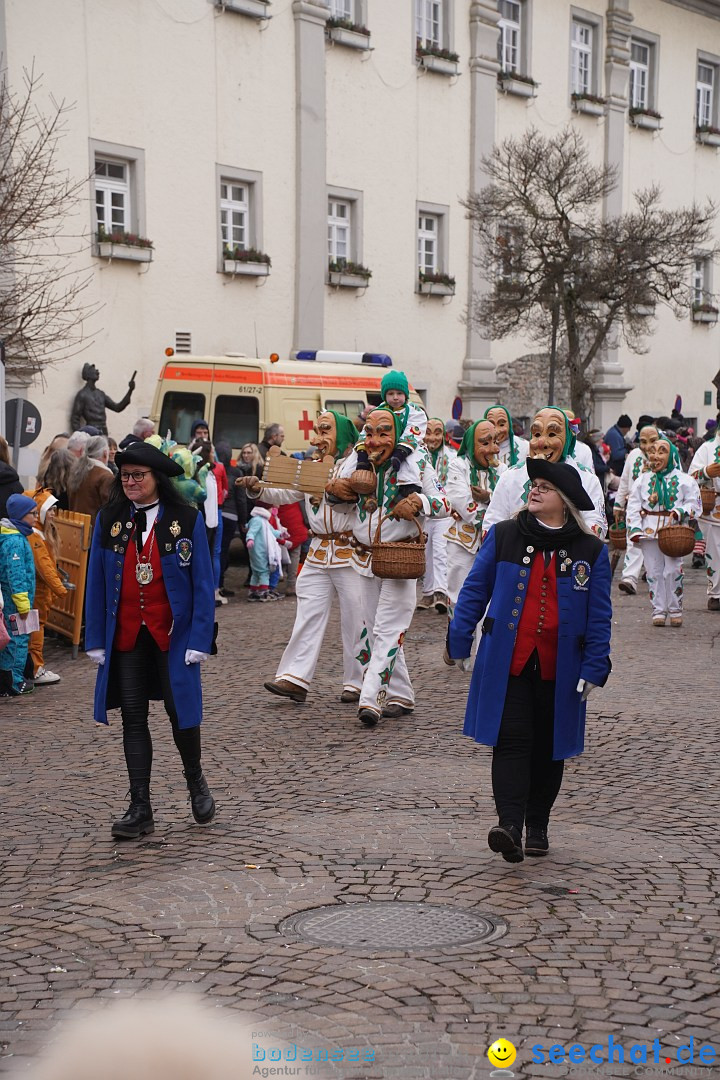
x,y
708,497
676,540
363,482
618,537
404,559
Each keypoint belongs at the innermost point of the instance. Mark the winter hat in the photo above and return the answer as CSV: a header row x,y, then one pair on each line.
x,y
44,500
17,507
196,424
710,424
395,380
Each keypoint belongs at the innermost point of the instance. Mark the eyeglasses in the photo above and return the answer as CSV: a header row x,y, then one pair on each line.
x,y
136,477
542,489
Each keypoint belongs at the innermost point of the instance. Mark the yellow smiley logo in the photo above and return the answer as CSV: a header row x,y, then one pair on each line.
x,y
502,1054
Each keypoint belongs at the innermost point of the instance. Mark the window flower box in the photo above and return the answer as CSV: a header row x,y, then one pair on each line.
x,y
256,9
705,313
350,34
511,82
590,104
436,285
645,118
441,61
246,262
707,135
348,275
123,245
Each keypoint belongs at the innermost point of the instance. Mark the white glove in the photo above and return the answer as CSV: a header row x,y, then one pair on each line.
x,y
193,657
97,656
585,688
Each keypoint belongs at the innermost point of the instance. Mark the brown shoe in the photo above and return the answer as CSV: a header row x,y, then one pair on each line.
x,y
676,620
714,603
283,688
396,710
349,697
440,601
425,603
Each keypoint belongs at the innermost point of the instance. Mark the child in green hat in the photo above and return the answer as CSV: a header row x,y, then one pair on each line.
x,y
412,421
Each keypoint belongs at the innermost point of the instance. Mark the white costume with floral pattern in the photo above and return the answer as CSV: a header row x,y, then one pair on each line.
x,y
709,454
465,533
511,495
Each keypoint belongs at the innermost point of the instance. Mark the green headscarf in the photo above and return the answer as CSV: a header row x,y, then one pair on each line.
x,y
658,486
467,450
511,433
570,438
347,433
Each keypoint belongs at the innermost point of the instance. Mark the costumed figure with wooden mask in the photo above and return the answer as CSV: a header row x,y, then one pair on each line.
x,y
663,496
552,439
705,468
472,478
434,584
636,462
512,449
389,603
329,572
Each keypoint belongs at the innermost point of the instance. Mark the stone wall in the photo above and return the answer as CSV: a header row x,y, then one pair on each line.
x,y
525,383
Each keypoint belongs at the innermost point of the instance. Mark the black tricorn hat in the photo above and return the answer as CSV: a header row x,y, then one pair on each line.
x,y
562,476
142,453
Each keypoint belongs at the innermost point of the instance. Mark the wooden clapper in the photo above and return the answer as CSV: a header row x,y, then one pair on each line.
x,y
295,475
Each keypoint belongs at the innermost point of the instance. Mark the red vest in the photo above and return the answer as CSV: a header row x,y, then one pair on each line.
x,y
142,603
538,626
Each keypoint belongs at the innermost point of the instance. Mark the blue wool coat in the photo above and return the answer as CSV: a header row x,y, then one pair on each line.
x,y
499,576
187,574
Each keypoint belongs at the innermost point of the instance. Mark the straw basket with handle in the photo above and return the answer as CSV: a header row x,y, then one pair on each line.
x,y
618,537
676,540
708,496
403,559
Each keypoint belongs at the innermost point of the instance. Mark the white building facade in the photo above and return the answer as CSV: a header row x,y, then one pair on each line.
x,y
336,138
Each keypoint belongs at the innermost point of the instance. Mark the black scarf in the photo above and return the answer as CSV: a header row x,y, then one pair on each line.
x,y
547,539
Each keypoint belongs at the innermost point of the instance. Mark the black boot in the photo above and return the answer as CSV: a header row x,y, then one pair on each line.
x,y
138,818
202,802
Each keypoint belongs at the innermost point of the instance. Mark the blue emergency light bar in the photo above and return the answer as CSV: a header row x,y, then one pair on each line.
x,y
327,357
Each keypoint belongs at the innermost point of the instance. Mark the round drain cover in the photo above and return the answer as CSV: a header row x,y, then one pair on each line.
x,y
392,925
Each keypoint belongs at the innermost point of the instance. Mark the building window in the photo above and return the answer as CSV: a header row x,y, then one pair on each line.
x,y
428,243
342,9
339,231
112,195
705,94
582,57
639,75
509,42
429,28
702,280
234,216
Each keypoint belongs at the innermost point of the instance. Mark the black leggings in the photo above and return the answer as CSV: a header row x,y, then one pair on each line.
x,y
525,779
133,672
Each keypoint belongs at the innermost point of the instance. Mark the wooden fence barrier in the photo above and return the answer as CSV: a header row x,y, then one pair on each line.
x,y
66,614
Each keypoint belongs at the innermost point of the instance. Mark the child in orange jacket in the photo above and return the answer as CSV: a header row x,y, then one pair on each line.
x,y
43,541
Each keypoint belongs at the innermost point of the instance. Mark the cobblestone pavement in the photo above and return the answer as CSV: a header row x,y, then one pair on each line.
x,y
616,933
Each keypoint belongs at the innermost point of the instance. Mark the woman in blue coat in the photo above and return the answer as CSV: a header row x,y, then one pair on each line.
x,y
545,645
149,616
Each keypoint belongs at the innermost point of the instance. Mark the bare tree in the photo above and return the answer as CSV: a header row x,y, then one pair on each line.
x,y
42,312
560,270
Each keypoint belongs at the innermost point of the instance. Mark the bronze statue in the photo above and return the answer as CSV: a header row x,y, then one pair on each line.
x,y
90,403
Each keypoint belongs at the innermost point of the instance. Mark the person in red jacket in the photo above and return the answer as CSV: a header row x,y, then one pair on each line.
x,y
291,518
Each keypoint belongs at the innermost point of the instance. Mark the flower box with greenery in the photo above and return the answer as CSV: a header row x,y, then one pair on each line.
x,y
256,9
246,261
119,244
348,275
707,135
645,118
512,82
437,284
346,32
704,313
433,58
590,104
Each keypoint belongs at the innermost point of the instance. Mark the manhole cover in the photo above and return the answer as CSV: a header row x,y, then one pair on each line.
x,y
391,925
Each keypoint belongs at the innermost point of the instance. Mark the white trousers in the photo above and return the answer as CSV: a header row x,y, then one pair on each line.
x,y
711,533
633,563
316,589
664,578
459,566
388,608
435,579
